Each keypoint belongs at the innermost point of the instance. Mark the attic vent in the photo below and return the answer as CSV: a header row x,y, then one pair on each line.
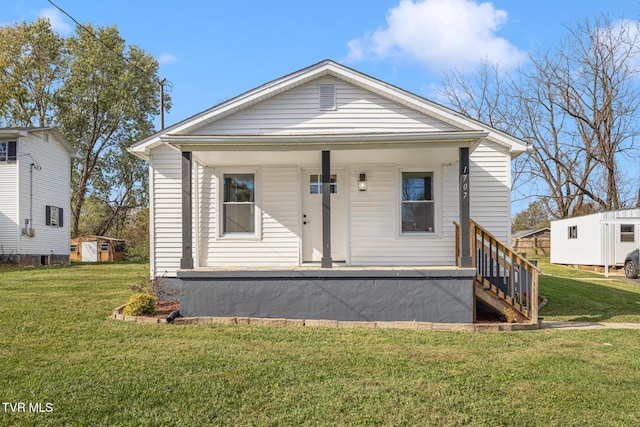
x,y
327,97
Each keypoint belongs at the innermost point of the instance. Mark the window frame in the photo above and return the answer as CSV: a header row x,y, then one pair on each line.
x,y
572,232
54,216
9,155
435,202
220,203
625,235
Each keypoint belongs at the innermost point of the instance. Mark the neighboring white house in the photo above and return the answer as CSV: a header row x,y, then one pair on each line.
x,y
240,185
600,239
35,191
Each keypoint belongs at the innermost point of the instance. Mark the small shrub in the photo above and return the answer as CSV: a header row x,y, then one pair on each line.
x,y
140,304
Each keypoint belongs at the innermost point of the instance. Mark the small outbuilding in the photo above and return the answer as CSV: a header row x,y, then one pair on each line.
x,y
601,239
96,249
532,242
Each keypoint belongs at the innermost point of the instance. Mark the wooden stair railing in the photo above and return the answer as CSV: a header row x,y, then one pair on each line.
x,y
504,281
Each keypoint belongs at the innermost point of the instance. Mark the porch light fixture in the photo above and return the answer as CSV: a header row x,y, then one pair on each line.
x,y
362,182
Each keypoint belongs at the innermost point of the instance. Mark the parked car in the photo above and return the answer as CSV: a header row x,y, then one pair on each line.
x,y
632,265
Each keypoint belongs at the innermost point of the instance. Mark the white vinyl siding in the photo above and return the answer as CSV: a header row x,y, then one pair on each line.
x,y
279,243
490,187
375,234
8,209
297,111
51,187
166,173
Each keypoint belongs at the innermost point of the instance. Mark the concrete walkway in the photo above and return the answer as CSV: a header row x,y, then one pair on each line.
x,y
587,325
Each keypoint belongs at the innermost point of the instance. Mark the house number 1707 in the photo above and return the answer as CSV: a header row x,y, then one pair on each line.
x,y
464,182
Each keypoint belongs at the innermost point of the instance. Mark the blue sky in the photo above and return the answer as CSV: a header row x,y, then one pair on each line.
x,y
213,50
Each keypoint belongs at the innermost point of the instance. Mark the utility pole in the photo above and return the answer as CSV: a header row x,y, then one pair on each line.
x,y
161,83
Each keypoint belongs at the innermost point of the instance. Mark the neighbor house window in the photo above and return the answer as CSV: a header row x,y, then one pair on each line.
x,y
573,231
627,233
239,210
417,204
8,151
54,216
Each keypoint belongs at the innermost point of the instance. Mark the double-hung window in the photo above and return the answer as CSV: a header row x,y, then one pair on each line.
x,y
239,205
417,202
8,151
54,216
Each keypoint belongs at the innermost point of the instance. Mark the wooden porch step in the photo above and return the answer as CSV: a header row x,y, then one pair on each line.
x,y
499,303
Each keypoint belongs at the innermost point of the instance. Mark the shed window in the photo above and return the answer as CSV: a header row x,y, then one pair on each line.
x,y
627,233
104,247
239,210
8,151
74,248
417,204
573,231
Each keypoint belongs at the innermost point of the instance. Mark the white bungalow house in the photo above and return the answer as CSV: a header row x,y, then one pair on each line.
x,y
600,239
35,189
328,194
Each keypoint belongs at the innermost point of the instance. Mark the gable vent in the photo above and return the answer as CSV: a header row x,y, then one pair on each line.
x,y
327,97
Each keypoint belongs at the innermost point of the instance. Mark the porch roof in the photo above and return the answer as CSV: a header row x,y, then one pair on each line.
x,y
302,142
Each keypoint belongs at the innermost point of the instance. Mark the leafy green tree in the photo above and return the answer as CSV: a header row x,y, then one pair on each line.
x,y
33,63
102,94
109,100
534,217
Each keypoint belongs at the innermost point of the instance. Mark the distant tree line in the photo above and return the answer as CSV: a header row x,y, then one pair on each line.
x,y
103,96
577,106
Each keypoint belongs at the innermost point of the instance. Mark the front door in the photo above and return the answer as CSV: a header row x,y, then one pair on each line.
x,y
312,216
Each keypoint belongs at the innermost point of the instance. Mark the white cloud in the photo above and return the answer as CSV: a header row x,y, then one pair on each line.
x,y
57,21
166,58
440,34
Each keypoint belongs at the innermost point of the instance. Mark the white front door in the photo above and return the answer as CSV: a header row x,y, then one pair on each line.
x,y
312,216
89,251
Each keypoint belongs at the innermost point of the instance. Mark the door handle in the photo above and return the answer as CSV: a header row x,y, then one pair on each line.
x,y
306,222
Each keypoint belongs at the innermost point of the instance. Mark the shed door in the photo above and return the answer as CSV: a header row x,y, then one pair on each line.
x,y
312,216
89,251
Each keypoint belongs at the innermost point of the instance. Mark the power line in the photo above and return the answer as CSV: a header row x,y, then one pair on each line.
x,y
161,83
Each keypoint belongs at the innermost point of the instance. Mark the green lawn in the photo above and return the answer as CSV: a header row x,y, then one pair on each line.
x,y
58,348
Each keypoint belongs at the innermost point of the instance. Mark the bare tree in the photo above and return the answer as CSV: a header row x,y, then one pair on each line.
x,y
576,106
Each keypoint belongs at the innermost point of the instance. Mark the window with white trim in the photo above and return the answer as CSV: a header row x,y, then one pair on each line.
x,y
417,205
239,206
8,151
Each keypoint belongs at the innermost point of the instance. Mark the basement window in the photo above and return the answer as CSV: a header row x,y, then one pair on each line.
x,y
328,97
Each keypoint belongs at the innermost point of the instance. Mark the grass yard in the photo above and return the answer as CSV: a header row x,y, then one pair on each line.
x,y
58,350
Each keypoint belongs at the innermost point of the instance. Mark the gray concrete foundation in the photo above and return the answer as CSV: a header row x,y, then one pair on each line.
x,y
424,295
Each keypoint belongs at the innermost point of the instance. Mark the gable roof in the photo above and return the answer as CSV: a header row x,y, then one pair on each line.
x,y
338,71
17,132
523,234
